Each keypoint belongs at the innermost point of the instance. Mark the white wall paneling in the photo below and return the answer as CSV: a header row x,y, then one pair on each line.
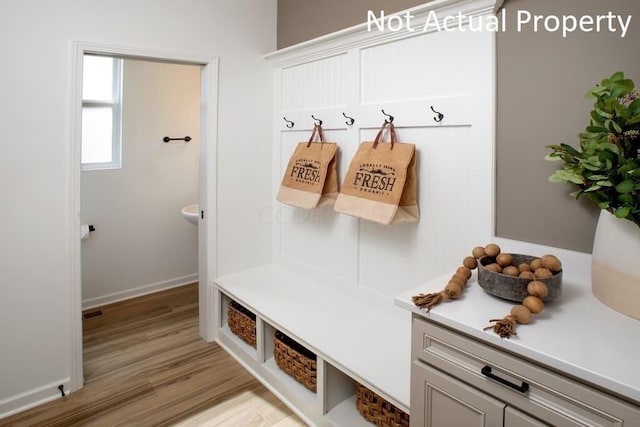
x,y
437,65
453,72
333,277
393,257
329,90
315,238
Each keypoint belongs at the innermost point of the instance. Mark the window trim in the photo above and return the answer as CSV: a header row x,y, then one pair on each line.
x,y
116,119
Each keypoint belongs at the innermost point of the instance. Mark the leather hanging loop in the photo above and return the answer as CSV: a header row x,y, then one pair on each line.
x,y
379,136
313,136
320,133
392,131
317,130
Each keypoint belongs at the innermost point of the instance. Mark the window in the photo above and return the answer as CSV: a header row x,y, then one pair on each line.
x,y
101,112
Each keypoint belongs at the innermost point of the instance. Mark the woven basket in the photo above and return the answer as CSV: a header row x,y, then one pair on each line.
x,y
377,410
295,360
242,322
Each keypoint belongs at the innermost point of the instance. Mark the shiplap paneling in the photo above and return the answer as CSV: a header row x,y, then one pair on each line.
x,y
392,258
314,238
354,268
451,71
428,66
327,90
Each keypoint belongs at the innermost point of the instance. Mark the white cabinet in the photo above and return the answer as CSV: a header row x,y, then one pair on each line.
x,y
458,380
438,399
515,418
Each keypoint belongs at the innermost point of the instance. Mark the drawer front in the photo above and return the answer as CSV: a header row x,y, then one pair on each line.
x,y
515,418
529,387
446,401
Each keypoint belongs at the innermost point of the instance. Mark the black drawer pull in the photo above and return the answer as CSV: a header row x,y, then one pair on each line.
x,y
486,371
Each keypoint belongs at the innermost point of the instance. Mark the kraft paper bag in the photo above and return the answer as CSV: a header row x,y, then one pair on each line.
x,y
380,184
311,180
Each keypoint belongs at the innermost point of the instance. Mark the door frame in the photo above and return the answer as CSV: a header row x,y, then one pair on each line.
x,y
207,237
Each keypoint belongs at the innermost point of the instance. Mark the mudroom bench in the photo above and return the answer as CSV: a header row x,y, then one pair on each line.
x,y
355,341
333,278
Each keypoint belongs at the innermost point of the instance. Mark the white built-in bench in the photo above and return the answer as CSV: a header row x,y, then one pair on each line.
x,y
334,277
353,340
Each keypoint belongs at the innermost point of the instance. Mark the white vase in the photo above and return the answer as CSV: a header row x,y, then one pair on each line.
x,y
615,264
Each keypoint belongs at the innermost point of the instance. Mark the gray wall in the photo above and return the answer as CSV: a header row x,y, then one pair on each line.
x,y
301,20
542,79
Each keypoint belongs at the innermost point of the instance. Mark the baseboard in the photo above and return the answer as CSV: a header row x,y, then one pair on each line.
x,y
32,398
139,291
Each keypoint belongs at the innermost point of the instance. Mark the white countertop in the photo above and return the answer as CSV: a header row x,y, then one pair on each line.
x,y
575,333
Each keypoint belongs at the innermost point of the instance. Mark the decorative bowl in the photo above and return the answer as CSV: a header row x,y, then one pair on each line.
x,y
514,288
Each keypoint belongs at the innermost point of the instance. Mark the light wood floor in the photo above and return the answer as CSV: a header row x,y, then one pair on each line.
x,y
144,365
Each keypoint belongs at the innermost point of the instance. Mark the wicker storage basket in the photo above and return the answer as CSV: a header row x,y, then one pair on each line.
x,y
242,322
295,360
377,410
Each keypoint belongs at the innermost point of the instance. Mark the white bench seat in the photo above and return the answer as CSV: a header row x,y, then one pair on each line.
x,y
368,342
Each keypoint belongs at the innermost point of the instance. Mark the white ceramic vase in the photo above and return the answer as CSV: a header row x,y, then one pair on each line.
x,y
615,264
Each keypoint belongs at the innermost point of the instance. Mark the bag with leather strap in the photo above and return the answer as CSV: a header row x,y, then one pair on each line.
x,y
380,184
311,180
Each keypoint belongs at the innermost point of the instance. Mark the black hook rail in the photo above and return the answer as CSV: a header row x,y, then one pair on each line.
x,y
167,139
289,124
439,116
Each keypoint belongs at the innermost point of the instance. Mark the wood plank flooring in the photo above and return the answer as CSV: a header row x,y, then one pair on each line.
x,y
145,365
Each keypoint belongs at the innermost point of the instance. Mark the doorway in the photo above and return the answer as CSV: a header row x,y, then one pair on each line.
x,y
206,187
141,243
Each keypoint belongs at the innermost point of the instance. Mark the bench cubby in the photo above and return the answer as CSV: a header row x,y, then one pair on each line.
x,y
353,341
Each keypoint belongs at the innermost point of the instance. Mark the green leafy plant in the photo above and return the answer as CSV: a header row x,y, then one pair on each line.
x,y
606,165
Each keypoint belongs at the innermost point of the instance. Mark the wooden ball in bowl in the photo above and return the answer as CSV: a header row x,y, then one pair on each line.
x,y
514,288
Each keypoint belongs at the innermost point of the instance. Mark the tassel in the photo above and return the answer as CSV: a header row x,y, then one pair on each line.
x,y
429,300
505,328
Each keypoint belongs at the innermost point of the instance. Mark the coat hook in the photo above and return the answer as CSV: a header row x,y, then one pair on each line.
x,y
290,124
317,120
440,116
388,115
350,120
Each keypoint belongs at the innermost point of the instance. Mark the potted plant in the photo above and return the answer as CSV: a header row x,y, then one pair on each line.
x,y
606,169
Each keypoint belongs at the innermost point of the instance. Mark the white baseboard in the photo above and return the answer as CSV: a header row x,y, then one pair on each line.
x,y
139,291
32,398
